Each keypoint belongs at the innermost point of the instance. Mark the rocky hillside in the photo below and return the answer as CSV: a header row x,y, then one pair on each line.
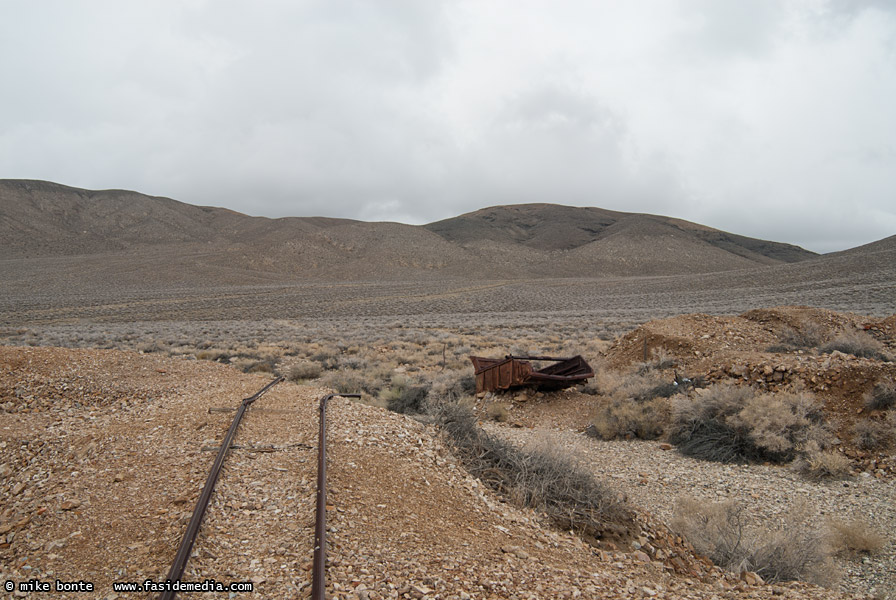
x,y
146,238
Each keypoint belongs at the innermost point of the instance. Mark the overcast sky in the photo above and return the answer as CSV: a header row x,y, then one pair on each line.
x,y
766,118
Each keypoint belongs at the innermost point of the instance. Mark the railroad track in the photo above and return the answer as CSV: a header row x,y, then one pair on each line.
x,y
274,448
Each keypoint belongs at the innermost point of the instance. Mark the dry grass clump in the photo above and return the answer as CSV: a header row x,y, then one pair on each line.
x,y
253,364
734,424
628,418
452,385
795,550
543,479
660,361
327,359
213,355
635,407
404,396
882,397
498,411
351,382
304,370
858,343
855,537
809,335
875,434
815,463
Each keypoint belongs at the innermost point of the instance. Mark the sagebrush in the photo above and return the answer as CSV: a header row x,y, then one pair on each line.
x,y
735,424
794,550
545,479
858,343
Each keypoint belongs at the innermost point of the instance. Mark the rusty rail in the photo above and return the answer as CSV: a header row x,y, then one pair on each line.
x,y
186,544
319,572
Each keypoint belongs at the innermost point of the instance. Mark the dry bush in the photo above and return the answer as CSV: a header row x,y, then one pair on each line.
x,y
809,335
722,532
637,406
352,362
700,425
855,537
452,385
498,411
254,364
404,396
659,361
882,397
780,424
590,387
858,343
261,366
629,418
818,464
212,355
544,479
733,424
873,435
304,370
327,359
351,382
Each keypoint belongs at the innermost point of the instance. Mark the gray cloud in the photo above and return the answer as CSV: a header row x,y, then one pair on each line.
x,y
765,118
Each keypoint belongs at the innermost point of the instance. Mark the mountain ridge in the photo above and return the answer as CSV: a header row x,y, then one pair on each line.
x,y
44,220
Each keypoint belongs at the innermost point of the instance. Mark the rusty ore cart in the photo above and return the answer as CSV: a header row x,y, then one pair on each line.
x,y
494,374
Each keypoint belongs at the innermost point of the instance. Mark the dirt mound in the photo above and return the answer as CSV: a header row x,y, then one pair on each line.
x,y
102,493
770,349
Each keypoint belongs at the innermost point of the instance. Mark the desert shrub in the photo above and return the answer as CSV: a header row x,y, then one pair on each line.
x,y
404,397
733,424
543,479
627,418
498,411
818,464
261,366
450,386
700,425
881,397
659,361
809,335
858,343
590,387
721,531
663,390
147,347
304,370
855,537
871,434
212,354
352,362
351,382
253,364
327,360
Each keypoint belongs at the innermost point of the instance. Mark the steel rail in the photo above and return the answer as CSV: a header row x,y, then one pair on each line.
x,y
186,544
319,572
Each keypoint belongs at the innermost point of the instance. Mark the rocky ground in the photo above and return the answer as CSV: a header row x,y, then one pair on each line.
x,y
104,453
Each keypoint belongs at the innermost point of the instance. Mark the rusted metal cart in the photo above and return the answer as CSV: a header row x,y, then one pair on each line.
x,y
494,374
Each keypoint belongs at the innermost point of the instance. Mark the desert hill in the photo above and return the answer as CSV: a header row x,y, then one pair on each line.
x,y
152,239
553,227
